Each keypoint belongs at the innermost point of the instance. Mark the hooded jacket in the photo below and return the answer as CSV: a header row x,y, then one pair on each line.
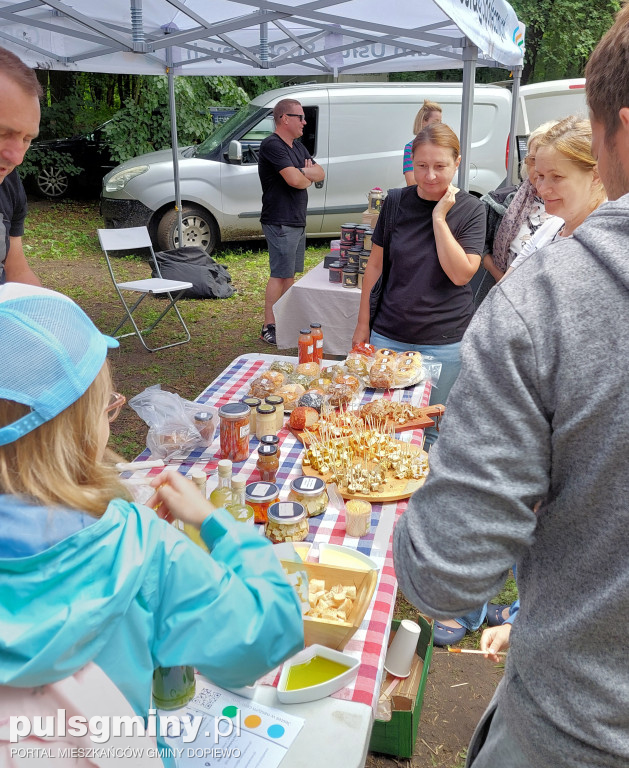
x,y
130,593
540,411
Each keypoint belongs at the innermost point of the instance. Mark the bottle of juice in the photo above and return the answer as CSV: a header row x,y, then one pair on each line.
x,y
199,478
305,346
238,509
221,496
317,337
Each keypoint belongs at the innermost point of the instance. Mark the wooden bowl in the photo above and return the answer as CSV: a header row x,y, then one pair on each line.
x,y
335,634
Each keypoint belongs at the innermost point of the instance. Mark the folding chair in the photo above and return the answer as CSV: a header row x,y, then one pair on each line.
x,y
134,238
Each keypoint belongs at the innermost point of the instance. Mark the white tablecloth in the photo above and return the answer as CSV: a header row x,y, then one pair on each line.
x,y
314,299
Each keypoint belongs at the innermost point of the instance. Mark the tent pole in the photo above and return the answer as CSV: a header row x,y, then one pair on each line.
x,y
470,56
173,133
515,99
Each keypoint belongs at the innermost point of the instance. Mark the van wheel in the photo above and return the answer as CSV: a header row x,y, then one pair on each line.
x,y
198,229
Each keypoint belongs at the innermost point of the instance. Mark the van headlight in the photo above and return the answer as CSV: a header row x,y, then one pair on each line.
x,y
120,180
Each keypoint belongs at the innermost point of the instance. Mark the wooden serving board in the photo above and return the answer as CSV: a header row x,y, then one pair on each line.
x,y
423,421
392,489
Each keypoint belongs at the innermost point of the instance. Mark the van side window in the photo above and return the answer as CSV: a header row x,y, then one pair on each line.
x,y
251,139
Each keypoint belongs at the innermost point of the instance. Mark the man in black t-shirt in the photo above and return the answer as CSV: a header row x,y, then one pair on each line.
x,y
19,125
286,170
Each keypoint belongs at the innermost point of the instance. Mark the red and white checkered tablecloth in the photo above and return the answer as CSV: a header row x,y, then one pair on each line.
x,y
369,642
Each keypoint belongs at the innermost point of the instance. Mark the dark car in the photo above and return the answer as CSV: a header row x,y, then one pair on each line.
x,y
70,166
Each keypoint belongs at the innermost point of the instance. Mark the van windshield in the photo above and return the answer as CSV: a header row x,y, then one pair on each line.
x,y
226,130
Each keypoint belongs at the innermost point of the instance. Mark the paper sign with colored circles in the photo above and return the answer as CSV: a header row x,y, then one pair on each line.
x,y
229,728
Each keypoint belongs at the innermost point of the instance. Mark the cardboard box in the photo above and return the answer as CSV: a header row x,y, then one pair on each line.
x,y
398,735
370,218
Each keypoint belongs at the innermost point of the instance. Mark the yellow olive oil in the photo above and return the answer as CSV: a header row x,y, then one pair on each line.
x,y
313,672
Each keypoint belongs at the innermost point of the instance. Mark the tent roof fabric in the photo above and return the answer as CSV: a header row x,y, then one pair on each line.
x,y
245,37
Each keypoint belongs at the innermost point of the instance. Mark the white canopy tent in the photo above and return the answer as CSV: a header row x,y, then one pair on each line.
x,y
248,37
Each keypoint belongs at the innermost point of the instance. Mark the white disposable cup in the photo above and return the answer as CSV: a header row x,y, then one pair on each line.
x,y
402,649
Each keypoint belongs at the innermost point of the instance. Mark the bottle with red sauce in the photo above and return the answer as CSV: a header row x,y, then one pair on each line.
x,y
305,346
317,335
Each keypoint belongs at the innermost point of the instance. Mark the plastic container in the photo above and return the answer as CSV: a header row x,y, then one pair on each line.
x,y
317,335
268,463
287,521
252,403
305,346
311,492
260,496
266,420
234,431
278,403
357,517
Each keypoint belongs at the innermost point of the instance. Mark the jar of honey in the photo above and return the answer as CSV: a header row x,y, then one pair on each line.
x,y
265,420
268,462
260,496
286,521
305,346
278,403
234,431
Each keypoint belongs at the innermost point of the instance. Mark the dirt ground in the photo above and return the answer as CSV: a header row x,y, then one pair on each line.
x,y
64,252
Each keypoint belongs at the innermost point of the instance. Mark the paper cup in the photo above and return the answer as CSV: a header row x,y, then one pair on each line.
x,y
402,649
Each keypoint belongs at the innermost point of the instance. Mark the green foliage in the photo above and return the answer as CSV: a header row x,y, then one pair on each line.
x,y
37,158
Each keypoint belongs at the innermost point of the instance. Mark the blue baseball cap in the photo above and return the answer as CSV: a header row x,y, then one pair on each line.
x,y
50,353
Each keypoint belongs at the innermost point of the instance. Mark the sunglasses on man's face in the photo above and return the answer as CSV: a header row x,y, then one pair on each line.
x,y
292,114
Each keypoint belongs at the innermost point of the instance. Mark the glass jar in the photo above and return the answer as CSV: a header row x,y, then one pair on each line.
x,y
317,334
204,422
268,462
238,509
353,256
361,274
360,235
173,687
363,260
260,496
252,403
350,277
311,493
367,243
278,403
335,272
265,420
348,233
305,346
287,521
234,431
271,440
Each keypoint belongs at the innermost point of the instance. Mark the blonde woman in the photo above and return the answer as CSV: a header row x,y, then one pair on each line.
x,y
567,181
429,113
86,575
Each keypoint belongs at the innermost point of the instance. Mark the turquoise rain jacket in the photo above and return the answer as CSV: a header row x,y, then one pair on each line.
x,y
130,592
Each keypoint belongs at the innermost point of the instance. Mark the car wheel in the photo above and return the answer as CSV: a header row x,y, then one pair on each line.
x,y
52,182
198,229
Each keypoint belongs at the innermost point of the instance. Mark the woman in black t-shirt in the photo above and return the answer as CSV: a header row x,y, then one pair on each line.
x,y
435,248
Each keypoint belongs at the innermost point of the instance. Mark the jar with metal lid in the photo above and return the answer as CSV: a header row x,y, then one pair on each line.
x,y
350,277
335,272
363,259
286,521
271,440
265,420
234,431
367,242
278,403
260,496
348,233
311,492
252,403
376,198
353,256
268,462
361,274
205,424
360,235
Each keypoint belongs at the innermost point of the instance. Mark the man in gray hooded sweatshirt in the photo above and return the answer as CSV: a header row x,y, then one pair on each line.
x,y
540,413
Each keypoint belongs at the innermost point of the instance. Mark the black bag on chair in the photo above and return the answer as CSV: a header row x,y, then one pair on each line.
x,y
390,213
209,279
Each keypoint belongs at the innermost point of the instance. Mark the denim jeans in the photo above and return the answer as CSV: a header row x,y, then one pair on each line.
x,y
446,354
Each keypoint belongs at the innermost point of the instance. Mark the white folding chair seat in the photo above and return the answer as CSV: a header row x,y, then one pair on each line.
x,y
131,239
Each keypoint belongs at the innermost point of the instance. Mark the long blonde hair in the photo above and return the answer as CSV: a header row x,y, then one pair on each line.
x,y
428,107
57,464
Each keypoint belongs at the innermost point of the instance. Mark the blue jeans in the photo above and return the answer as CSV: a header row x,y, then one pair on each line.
x,y
447,354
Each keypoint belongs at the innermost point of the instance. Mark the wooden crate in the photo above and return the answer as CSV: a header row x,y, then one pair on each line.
x,y
335,634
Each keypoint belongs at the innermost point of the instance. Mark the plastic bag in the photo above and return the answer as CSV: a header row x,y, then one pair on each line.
x,y
171,422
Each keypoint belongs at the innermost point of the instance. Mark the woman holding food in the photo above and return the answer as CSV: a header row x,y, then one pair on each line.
x,y
426,247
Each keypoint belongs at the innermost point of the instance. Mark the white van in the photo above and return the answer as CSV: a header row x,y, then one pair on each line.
x,y
356,131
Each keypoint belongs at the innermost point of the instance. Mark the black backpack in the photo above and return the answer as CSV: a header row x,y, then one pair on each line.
x,y
193,265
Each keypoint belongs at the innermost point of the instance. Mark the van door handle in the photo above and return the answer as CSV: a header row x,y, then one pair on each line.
x,y
318,184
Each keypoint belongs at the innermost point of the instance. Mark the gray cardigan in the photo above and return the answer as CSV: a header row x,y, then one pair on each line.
x,y
540,410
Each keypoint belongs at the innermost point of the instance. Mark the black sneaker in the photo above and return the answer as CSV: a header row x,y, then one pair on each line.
x,y
268,334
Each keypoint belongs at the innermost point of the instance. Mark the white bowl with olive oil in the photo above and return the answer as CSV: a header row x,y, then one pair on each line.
x,y
314,673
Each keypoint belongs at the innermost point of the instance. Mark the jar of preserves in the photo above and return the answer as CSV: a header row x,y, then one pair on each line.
x,y
260,496
234,431
271,440
317,334
265,420
311,493
350,277
252,403
367,243
305,346
278,403
287,521
205,424
335,272
268,462
348,233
